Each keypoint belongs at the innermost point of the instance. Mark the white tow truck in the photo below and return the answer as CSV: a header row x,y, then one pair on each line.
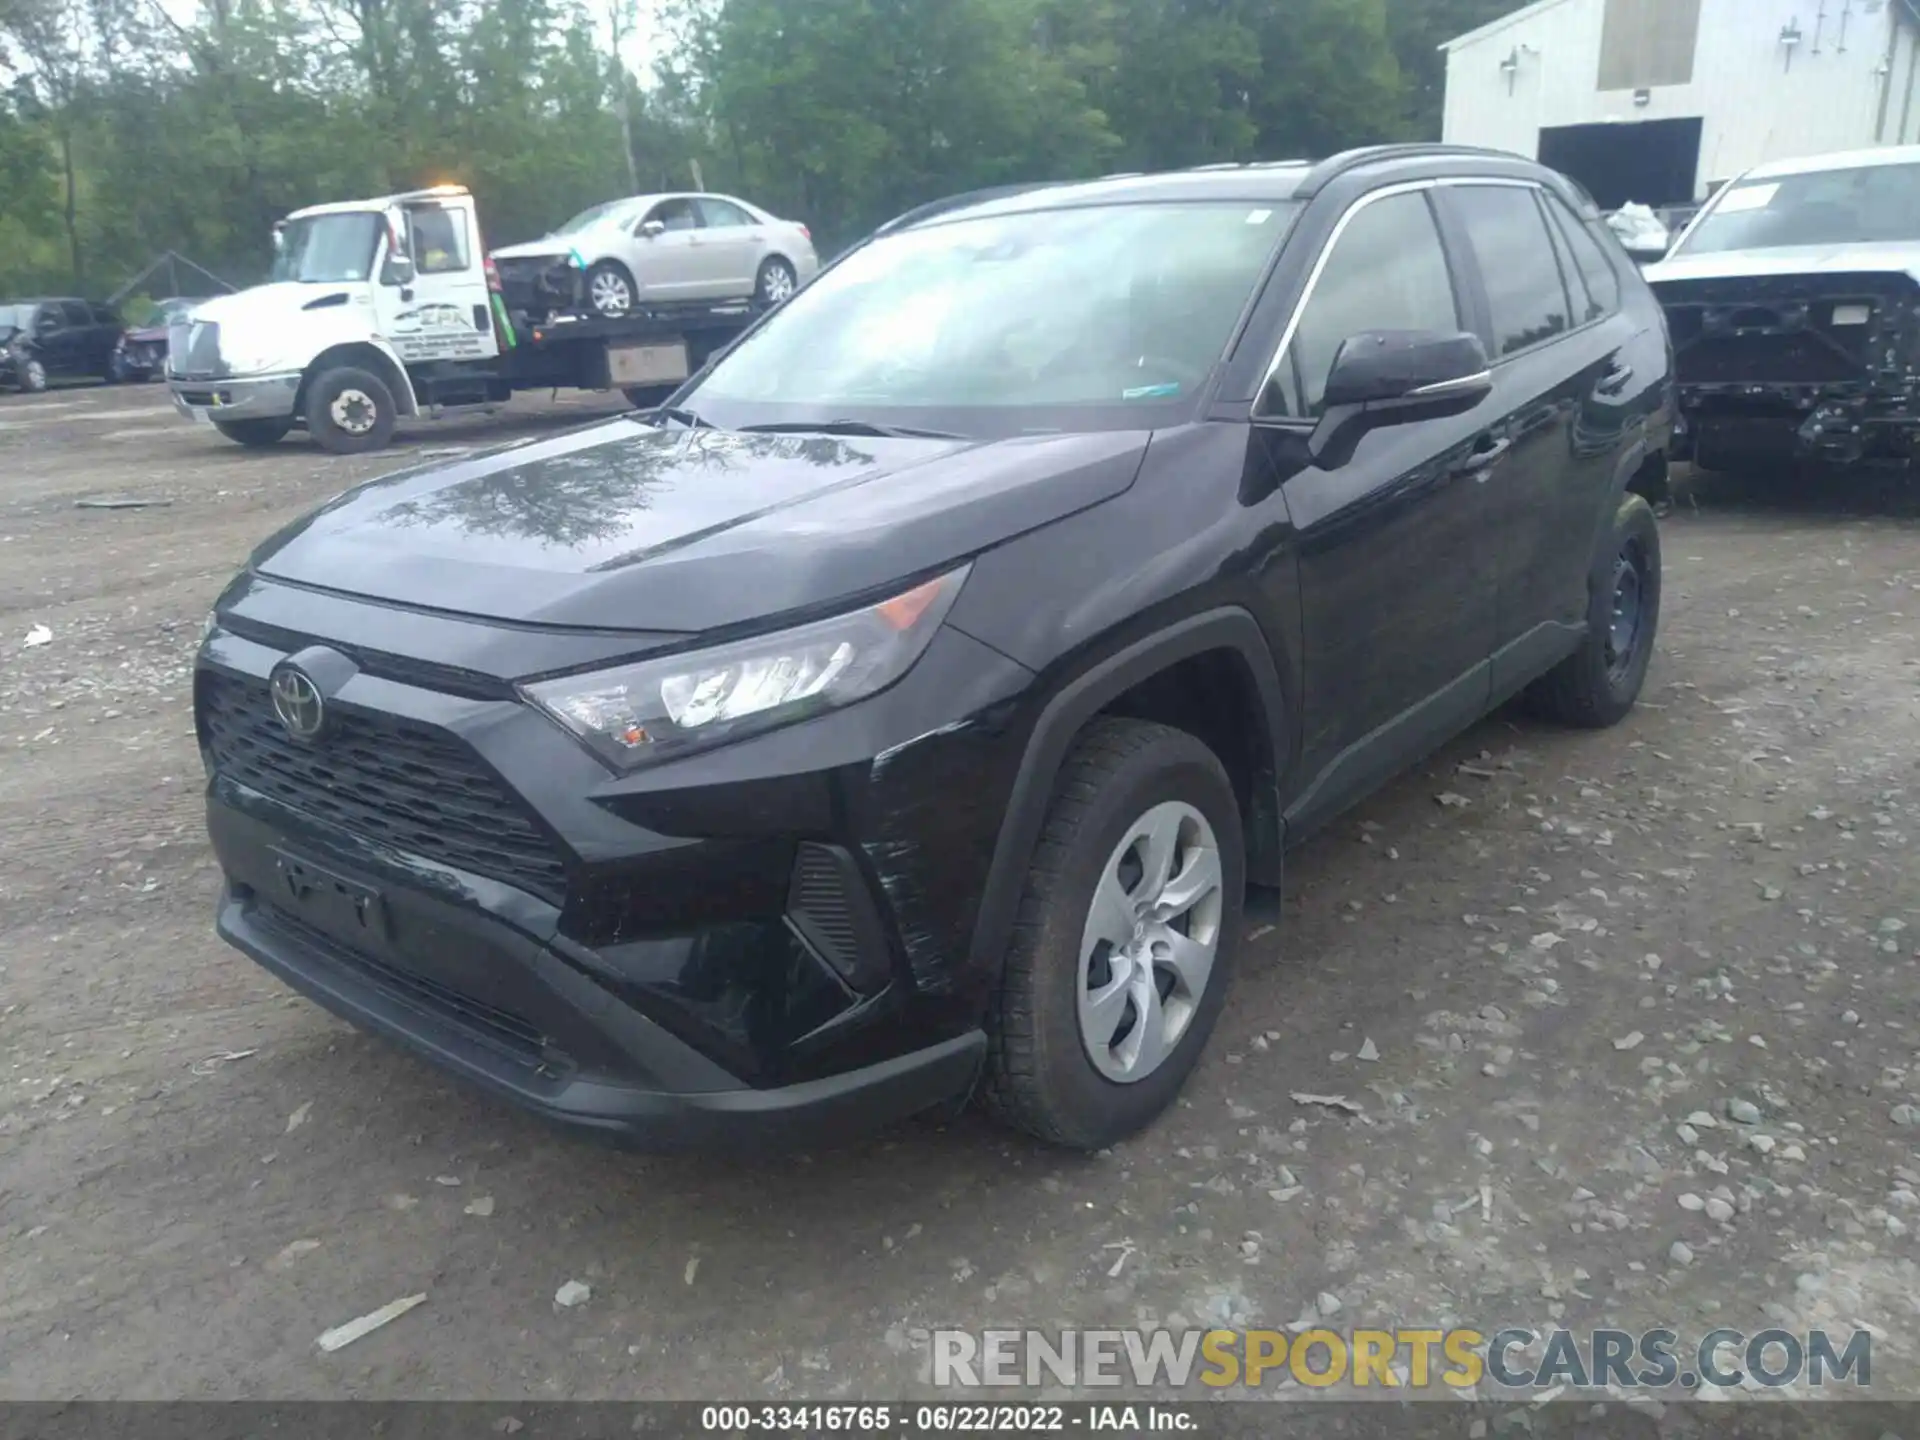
x,y
389,307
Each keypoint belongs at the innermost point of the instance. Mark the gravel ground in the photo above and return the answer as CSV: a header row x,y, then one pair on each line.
x,y
1627,1022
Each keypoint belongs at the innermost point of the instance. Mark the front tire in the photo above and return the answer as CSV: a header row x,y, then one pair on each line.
x,y
1597,685
775,282
350,411
33,377
611,292
1124,944
254,434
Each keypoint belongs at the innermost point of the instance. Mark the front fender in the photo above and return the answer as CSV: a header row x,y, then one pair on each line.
x,y
1067,712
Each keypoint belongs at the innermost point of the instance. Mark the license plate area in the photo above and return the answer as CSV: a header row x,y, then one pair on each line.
x,y
348,910
661,364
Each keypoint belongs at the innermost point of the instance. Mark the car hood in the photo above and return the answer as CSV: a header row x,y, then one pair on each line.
x,y
545,248
1789,260
628,527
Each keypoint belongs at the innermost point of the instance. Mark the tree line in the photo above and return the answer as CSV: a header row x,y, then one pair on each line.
x,y
129,127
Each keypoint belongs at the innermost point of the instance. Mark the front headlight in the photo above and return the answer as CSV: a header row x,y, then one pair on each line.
x,y
655,710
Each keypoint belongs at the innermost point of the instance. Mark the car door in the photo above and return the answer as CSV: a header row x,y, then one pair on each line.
x,y
56,339
445,312
1558,378
671,260
103,338
734,241
1394,545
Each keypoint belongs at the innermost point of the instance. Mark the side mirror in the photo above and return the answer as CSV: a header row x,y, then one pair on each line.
x,y
653,229
398,271
1395,377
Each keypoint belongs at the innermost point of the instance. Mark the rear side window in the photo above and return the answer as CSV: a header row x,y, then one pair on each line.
x,y
1602,281
1525,292
1386,271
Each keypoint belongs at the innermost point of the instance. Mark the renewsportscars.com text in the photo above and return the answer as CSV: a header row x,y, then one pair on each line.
x,y
1412,1359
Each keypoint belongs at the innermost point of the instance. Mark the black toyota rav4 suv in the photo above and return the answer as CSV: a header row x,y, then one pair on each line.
x,y
901,714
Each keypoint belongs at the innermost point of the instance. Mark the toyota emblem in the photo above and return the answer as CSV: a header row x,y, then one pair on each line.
x,y
297,703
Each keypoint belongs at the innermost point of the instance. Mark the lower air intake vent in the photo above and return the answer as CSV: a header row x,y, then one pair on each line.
x,y
830,907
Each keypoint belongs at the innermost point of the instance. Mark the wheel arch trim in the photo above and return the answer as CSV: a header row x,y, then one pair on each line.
x,y
1067,712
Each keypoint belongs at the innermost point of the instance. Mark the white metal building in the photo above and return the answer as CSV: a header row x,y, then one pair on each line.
x,y
1661,100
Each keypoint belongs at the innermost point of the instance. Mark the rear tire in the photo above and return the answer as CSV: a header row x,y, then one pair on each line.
x,y
350,411
1070,1002
775,282
254,434
1597,685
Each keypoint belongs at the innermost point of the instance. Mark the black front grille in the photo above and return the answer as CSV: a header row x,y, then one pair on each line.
x,y
391,781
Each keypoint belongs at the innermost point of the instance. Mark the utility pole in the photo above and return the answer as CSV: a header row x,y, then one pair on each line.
x,y
620,14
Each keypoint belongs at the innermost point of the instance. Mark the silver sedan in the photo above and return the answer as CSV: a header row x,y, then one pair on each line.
x,y
673,247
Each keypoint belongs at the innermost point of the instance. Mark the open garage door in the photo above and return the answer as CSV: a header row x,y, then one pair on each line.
x,y
1652,161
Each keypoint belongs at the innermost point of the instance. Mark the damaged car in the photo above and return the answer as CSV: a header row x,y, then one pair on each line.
x,y
1794,304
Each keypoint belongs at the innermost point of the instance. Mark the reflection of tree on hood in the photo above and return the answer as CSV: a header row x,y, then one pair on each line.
x,y
589,495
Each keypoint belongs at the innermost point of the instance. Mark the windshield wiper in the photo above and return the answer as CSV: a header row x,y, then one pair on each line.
x,y
689,418
849,427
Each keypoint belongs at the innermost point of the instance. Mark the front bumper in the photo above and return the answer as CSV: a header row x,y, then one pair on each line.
x,y
715,1111
251,397
763,943
1727,424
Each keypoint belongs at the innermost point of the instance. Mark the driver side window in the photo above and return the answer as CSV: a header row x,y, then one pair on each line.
x,y
1386,271
675,215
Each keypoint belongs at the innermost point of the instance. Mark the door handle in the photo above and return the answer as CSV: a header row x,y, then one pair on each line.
x,y
1615,380
1485,453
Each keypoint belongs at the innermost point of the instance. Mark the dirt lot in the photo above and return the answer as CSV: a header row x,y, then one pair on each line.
x,y
1714,907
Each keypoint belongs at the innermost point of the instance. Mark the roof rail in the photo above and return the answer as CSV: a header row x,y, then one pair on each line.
x,y
957,202
1334,166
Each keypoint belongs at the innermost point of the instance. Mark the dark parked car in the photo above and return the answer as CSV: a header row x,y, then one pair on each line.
x,y
902,713
143,350
42,340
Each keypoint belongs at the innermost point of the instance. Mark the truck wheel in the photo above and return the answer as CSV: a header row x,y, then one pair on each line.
x,y
610,290
350,411
33,377
1124,943
775,282
254,434
1598,684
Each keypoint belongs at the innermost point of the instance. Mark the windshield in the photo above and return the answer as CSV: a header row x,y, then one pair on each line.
x,y
1107,306
15,317
328,249
1823,207
593,216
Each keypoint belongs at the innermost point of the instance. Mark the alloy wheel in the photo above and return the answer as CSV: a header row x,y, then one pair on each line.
x,y
779,284
610,294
